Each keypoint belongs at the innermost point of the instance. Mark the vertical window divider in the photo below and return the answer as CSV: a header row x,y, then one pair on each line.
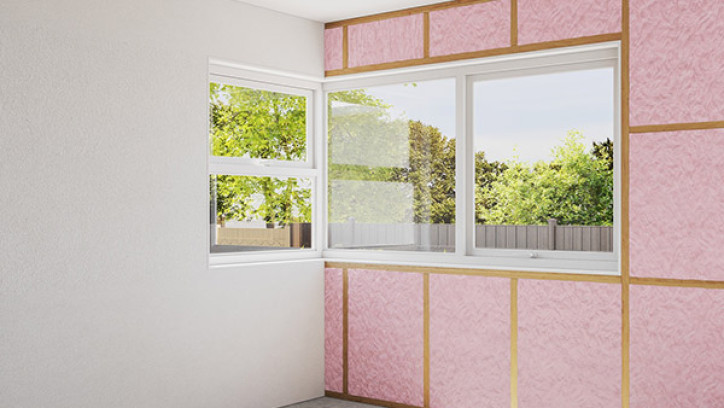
x,y
462,181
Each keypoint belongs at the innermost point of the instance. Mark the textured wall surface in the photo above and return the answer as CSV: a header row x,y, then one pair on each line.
x,y
386,335
333,48
389,40
469,342
333,369
676,55
677,204
677,347
569,344
549,20
106,296
470,28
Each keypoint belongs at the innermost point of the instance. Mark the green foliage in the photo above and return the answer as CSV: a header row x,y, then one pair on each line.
x,y
258,124
576,188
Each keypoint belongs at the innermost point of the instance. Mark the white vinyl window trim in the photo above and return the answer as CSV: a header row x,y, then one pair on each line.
x,y
309,168
466,254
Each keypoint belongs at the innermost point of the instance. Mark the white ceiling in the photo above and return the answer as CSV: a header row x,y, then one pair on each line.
x,y
333,10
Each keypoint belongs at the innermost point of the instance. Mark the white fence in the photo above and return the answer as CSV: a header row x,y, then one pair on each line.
x,y
441,237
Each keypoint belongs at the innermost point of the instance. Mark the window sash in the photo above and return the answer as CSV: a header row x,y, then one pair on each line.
x,y
574,58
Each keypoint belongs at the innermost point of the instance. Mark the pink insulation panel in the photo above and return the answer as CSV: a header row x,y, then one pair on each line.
x,y
569,344
470,28
677,204
390,40
550,20
385,346
676,54
333,330
333,48
469,342
677,347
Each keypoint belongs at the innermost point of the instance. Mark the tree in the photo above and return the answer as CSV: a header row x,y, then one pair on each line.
x,y
575,188
260,125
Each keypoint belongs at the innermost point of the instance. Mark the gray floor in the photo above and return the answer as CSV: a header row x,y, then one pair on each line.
x,y
329,403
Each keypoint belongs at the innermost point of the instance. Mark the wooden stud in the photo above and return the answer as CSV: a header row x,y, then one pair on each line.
x,y
514,343
426,341
345,47
594,39
345,331
625,242
673,127
513,23
426,35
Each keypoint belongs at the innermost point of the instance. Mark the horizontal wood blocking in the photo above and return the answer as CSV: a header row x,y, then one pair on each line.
x,y
673,127
371,401
479,54
480,272
680,283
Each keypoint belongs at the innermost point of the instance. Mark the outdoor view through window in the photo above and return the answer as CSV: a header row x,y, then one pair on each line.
x,y
544,161
250,213
391,161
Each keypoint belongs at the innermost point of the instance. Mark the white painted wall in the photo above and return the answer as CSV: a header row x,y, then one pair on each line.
x,y
106,299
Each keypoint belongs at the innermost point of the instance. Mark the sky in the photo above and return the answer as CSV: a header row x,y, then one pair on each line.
x,y
526,116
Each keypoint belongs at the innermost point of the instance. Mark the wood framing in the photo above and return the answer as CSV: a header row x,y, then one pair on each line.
x,y
674,127
426,340
365,400
345,331
426,35
514,343
612,279
625,188
594,39
513,23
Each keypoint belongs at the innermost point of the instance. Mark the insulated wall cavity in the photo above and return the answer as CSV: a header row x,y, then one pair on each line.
x,y
333,330
551,20
386,336
469,341
677,204
569,344
378,42
677,347
475,27
676,59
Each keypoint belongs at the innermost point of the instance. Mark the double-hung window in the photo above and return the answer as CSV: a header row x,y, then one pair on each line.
x,y
262,171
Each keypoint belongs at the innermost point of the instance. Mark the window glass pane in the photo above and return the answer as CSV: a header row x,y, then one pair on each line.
x,y
544,161
257,124
259,213
392,167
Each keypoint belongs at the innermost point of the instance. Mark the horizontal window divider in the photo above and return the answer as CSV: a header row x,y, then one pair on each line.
x,y
262,171
259,163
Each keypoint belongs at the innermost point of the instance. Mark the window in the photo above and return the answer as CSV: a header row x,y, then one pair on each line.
x,y
543,157
391,167
262,174
510,162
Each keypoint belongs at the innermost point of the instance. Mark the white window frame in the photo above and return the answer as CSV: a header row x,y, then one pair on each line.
x,y
465,73
310,168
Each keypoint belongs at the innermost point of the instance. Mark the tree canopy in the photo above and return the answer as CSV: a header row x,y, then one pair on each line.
x,y
403,161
